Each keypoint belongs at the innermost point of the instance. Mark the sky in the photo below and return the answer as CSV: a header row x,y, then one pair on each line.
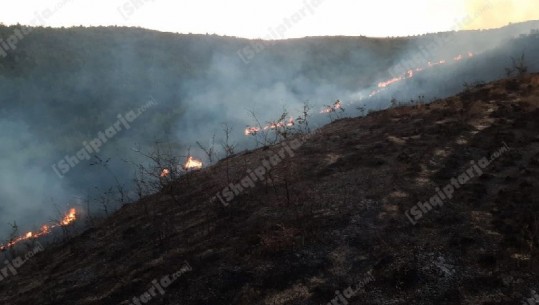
x,y
275,19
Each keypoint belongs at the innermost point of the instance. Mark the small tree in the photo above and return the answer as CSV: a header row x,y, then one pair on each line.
x,y
228,148
119,187
302,120
208,150
519,68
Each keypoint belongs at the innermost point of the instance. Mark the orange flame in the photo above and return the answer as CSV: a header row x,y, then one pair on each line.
x,y
390,82
192,164
332,108
272,125
411,73
45,229
69,218
251,130
165,172
381,86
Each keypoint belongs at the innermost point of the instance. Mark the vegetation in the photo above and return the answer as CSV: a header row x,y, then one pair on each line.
x,y
61,87
519,68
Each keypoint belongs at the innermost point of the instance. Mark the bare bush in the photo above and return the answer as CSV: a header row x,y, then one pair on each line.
x,y
119,186
208,150
519,67
161,169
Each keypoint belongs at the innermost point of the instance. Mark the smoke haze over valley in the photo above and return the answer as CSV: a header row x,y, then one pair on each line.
x,y
61,87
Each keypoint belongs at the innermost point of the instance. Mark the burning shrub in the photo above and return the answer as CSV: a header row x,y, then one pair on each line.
x,y
68,218
282,128
164,166
334,111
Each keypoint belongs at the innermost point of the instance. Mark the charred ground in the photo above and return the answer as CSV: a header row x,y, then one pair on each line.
x,y
330,214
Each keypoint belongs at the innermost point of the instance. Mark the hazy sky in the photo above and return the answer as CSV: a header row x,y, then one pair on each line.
x,y
276,18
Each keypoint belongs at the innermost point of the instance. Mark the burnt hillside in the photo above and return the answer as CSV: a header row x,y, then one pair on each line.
x,y
330,212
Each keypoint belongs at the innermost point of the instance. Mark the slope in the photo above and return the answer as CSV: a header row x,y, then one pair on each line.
x,y
330,213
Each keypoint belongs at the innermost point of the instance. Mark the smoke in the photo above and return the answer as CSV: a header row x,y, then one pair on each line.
x,y
232,90
58,93
501,12
277,79
26,184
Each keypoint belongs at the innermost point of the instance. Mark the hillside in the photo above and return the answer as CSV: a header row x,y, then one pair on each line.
x,y
335,210
62,86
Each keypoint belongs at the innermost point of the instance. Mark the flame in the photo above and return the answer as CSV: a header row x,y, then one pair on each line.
x,y
380,87
192,164
272,125
332,108
390,82
69,218
251,130
411,73
165,172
